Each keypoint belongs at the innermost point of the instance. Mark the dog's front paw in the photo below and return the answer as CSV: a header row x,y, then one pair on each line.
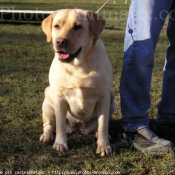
x,y
104,150
60,147
46,137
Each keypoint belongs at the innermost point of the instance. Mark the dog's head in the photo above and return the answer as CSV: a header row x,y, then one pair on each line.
x,y
73,32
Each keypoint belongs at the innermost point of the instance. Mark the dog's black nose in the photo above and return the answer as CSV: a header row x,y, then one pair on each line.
x,y
62,42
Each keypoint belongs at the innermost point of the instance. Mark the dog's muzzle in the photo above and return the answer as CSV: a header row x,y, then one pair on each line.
x,y
67,57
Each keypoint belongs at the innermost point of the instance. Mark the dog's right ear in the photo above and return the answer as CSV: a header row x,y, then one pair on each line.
x,y
47,26
97,23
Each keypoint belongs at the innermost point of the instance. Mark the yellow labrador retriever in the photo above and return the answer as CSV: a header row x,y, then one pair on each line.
x,y
79,96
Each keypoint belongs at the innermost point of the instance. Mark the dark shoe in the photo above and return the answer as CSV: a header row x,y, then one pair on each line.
x,y
165,130
147,141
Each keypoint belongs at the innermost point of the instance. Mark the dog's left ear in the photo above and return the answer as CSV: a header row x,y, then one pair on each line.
x,y
97,23
47,26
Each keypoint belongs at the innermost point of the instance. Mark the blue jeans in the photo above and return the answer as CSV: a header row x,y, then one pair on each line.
x,y
145,21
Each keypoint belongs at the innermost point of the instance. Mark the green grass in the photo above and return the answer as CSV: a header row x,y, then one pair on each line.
x,y
25,58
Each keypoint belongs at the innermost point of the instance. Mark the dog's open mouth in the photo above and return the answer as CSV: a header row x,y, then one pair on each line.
x,y
66,57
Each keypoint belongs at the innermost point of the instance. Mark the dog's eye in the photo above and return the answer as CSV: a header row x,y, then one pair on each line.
x,y
77,27
56,26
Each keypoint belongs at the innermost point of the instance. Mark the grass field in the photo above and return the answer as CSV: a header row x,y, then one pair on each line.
x,y
25,58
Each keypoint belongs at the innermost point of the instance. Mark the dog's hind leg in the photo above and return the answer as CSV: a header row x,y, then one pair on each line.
x,y
70,126
48,122
88,127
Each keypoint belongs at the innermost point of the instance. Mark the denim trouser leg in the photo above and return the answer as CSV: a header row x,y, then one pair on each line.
x,y
166,107
145,21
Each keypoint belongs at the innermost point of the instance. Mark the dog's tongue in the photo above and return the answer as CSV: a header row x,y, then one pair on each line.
x,y
63,56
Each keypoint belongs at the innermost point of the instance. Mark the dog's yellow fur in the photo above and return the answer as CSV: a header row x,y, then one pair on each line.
x,y
79,96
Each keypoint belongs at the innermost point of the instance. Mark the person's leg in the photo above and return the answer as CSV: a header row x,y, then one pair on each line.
x,y
166,107
145,21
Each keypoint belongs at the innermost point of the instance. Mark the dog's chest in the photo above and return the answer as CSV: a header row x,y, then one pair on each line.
x,y
82,102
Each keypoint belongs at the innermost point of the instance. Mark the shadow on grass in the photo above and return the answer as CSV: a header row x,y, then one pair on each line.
x,y
16,22
113,28
167,137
